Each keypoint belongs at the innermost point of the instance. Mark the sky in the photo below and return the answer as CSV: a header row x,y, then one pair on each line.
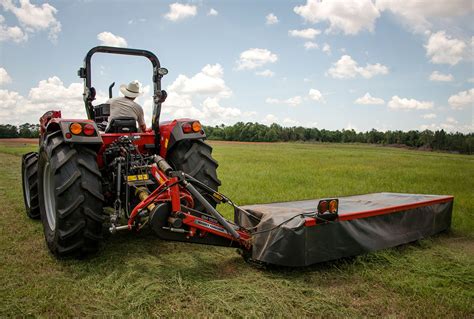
x,y
330,64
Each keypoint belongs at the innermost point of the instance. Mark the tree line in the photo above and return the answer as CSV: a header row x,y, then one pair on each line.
x,y
255,132
26,130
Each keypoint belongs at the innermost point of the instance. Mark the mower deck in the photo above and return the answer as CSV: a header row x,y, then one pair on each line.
x,y
289,233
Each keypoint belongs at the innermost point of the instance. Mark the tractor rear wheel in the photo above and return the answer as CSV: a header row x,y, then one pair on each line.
x,y
194,157
70,197
29,176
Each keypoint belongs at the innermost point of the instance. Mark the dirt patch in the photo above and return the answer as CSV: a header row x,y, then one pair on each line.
x,y
19,141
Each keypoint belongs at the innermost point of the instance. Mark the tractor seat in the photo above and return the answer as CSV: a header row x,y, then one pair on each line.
x,y
122,125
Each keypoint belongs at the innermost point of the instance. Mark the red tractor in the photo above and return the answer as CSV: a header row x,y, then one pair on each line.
x,y
89,174
84,167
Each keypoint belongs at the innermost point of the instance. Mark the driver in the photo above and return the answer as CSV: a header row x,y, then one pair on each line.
x,y
125,106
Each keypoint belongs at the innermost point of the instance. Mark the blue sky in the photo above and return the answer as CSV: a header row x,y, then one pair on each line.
x,y
363,64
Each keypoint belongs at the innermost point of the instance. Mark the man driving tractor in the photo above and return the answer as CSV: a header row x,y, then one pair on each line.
x,y
125,106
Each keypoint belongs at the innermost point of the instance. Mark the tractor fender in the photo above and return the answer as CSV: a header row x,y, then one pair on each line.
x,y
64,125
172,132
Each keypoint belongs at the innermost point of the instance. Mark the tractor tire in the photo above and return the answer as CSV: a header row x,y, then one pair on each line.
x,y
70,197
194,157
29,177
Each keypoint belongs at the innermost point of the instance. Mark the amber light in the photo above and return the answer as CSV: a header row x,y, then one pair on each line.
x,y
197,126
89,129
75,128
333,206
322,206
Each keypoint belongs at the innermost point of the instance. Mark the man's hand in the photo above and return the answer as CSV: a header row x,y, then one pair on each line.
x,y
148,130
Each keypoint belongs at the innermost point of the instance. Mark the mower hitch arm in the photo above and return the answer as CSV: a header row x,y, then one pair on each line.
x,y
211,209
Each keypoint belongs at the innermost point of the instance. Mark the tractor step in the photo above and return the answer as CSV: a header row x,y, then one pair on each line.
x,y
291,234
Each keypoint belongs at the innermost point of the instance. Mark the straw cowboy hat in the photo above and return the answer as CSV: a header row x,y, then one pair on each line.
x,y
131,90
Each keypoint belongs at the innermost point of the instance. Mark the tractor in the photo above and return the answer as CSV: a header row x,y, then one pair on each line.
x,y
93,177
84,166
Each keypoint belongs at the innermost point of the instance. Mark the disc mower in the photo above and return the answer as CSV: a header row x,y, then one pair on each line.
x,y
93,176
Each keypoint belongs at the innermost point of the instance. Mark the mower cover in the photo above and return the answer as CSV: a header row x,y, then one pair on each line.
x,y
290,234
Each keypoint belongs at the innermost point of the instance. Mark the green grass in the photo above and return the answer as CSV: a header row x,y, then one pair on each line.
x,y
144,276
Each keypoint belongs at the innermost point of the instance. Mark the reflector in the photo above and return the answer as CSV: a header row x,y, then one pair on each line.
x,y
187,128
75,128
89,129
322,206
196,126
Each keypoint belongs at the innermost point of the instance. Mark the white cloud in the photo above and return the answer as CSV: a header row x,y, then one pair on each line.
x,y
292,101
110,39
14,34
134,21
4,77
207,82
290,122
266,73
271,19
214,112
440,77
254,58
441,48
200,96
309,45
346,68
470,80
327,48
270,100
367,99
316,95
409,104
418,15
308,33
429,116
462,99
351,17
213,12
179,11
450,125
50,94
451,120
270,119
35,18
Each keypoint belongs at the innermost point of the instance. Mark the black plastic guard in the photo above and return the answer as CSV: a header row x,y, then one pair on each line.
x,y
366,223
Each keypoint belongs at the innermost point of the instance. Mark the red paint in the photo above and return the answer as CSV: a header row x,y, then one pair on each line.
x,y
46,119
310,221
166,128
394,209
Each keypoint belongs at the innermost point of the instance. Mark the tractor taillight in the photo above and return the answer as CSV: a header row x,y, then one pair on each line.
x,y
89,129
196,126
322,207
75,128
187,128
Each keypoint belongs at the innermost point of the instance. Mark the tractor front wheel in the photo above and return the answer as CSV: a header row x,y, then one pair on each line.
x,y
194,157
70,197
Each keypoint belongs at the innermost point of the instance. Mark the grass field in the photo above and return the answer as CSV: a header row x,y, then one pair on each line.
x,y
144,276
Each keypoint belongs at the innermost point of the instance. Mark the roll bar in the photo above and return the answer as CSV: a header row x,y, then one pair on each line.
x,y
159,95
